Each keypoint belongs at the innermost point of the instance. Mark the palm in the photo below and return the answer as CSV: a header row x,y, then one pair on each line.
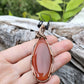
x,y
15,63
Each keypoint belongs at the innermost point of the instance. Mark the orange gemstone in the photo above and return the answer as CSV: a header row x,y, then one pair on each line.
x,y
42,60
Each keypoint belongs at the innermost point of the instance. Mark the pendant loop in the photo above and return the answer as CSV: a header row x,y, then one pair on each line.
x,y
41,31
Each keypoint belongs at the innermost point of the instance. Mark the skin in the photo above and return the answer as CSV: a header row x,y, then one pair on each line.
x,y
15,62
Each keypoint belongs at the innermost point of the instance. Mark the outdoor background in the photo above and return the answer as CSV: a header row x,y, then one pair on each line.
x,y
54,10
21,8
67,18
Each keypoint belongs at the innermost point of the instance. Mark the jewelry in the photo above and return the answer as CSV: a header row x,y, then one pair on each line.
x,y
42,57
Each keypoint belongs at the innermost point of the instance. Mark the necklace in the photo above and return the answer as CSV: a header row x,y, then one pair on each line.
x,y
42,57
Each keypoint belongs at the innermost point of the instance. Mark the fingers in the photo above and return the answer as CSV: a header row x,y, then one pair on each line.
x,y
27,78
18,52
51,39
61,46
53,80
24,65
60,60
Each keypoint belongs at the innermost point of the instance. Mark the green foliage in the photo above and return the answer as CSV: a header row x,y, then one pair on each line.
x,y
59,10
71,13
64,9
45,14
52,5
10,13
21,8
73,4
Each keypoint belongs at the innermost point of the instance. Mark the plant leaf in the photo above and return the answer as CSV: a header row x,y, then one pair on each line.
x,y
10,13
24,14
65,20
71,13
47,14
52,5
58,1
73,4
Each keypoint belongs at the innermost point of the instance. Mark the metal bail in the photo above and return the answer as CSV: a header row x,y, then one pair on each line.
x,y
41,31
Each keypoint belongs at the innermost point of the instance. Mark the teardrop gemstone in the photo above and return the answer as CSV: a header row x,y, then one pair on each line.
x,y
41,60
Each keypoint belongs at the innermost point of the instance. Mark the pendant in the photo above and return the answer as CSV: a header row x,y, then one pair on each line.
x,y
41,59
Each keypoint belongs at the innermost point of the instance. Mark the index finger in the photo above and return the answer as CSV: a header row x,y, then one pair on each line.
x,y
18,52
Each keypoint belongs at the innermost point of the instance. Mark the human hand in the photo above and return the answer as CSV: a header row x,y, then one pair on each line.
x,y
15,62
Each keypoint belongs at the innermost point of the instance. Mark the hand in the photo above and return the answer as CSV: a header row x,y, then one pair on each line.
x,y
15,62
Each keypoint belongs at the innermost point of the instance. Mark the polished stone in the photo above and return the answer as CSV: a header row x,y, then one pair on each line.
x,y
42,60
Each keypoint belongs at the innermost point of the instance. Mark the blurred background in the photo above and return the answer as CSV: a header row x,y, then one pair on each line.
x,y
20,8
59,10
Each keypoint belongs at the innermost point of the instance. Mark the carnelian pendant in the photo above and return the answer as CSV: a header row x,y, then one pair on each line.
x,y
41,60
